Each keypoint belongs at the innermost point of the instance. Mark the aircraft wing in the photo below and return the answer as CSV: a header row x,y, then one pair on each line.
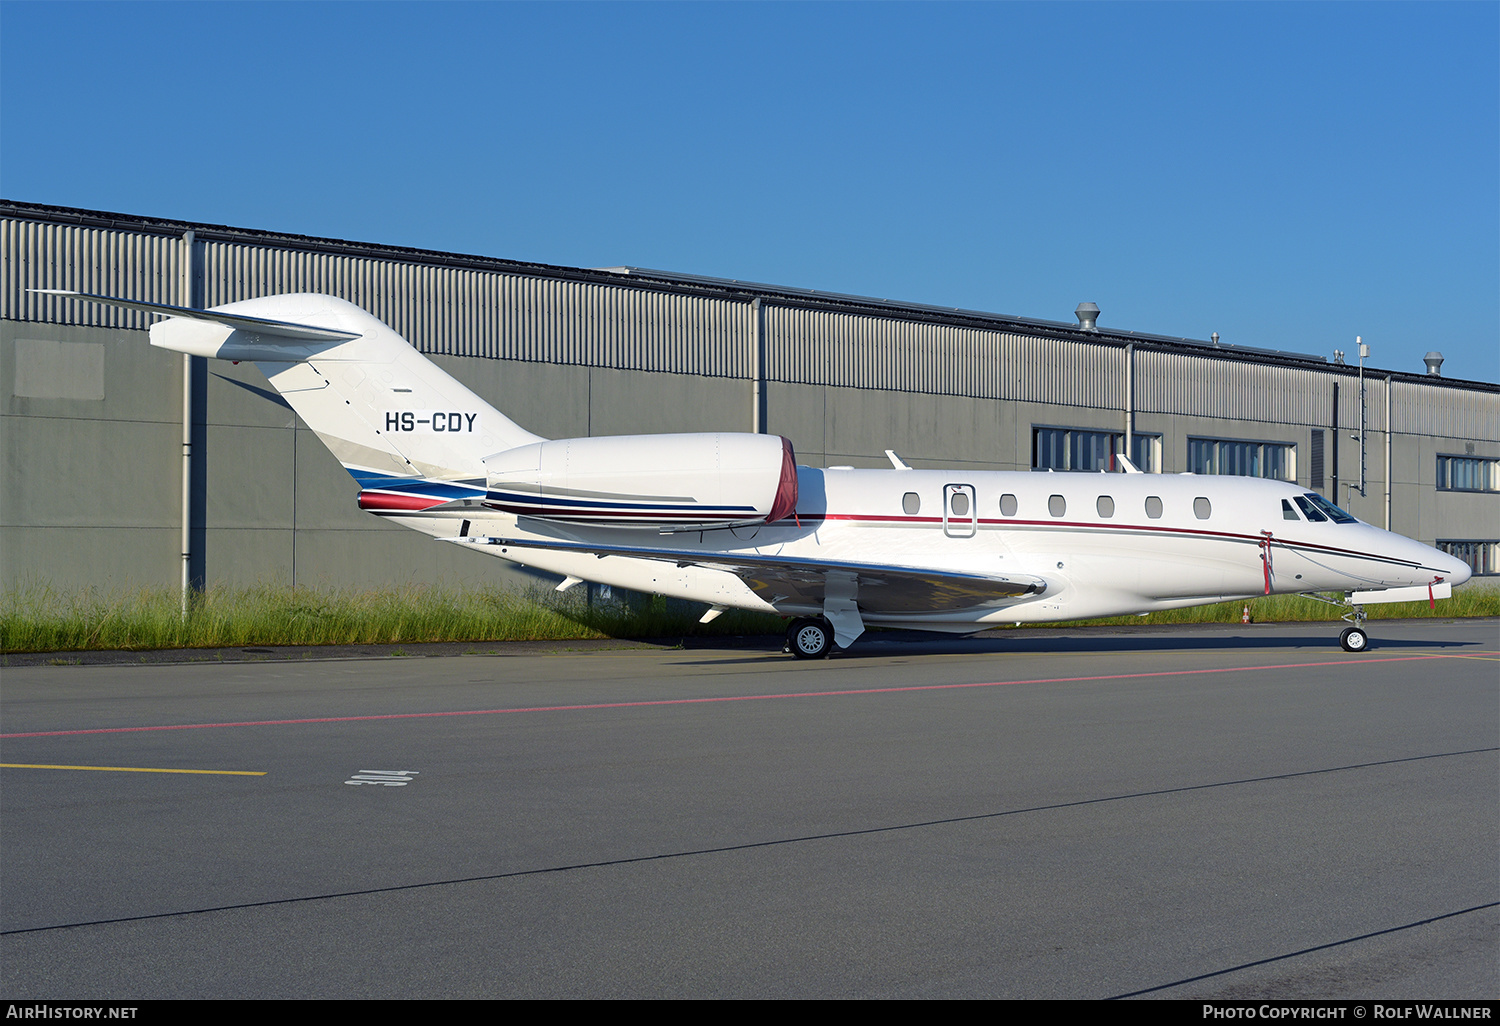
x,y
790,581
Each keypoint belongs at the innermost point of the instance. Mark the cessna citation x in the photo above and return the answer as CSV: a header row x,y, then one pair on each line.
x,y
730,519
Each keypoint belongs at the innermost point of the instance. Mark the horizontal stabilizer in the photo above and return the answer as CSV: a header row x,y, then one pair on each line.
x,y
239,322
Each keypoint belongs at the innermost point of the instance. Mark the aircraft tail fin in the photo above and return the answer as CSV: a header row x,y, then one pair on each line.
x,y
384,410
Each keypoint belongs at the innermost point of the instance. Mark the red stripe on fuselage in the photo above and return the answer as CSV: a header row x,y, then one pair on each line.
x,y
572,513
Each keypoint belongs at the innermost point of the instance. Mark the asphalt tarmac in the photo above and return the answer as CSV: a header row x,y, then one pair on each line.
x,y
1233,812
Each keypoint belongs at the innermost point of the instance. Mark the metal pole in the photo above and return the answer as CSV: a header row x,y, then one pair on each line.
x,y
1130,402
1387,452
757,393
1364,351
187,426
1335,436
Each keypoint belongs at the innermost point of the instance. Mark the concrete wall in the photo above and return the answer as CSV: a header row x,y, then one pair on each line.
x,y
91,491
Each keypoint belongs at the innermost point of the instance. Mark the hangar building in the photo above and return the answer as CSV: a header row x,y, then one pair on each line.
x,y
94,474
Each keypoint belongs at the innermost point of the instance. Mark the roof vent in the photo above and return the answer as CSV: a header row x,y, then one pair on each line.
x,y
1088,316
1434,362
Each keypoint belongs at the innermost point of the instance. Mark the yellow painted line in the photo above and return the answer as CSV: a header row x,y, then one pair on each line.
x,y
134,769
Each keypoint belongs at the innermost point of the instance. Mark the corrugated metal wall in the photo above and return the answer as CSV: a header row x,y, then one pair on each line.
x,y
1422,409
131,265
820,347
462,312
467,312
1201,386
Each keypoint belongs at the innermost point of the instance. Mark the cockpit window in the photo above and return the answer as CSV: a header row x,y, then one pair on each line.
x,y
1309,510
1287,513
1335,514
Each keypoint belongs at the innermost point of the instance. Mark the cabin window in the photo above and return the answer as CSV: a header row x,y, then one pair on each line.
x,y
1106,506
959,504
1153,507
1007,505
1287,513
1202,508
911,504
1057,505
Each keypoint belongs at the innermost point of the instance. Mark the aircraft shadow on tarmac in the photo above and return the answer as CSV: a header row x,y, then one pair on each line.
x,y
912,643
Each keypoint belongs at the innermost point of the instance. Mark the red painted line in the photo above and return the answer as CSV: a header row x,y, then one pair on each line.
x,y
1353,662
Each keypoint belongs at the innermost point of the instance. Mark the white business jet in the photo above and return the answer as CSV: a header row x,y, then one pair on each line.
x,y
730,520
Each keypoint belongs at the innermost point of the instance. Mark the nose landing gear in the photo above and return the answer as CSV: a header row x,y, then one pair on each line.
x,y
1354,637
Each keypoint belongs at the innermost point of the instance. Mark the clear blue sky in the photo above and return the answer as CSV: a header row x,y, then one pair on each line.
x,y
1288,175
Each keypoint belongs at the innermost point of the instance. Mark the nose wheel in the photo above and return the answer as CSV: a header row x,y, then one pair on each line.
x,y
809,639
1354,639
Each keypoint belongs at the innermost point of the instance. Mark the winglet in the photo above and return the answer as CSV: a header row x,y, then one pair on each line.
x,y
896,461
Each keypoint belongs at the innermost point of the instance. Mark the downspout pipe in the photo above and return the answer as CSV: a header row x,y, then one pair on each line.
x,y
188,251
1387,452
1130,401
758,359
1335,435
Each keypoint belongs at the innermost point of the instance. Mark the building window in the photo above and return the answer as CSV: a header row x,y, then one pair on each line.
x,y
1483,557
1467,474
1242,459
1075,449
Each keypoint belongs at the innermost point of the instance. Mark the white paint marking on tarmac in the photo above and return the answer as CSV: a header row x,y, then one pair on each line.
x,y
386,778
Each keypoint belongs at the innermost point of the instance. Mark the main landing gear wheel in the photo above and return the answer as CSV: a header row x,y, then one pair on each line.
x,y
1354,639
809,639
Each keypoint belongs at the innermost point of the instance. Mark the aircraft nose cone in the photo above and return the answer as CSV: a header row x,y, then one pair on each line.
x,y
1458,571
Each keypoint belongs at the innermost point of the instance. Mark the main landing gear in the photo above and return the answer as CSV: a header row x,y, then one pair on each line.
x,y
809,639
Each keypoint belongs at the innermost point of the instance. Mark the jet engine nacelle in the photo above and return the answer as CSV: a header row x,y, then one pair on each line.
x,y
666,482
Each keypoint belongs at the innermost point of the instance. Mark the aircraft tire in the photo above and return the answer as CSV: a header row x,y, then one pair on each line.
x,y
809,639
1354,639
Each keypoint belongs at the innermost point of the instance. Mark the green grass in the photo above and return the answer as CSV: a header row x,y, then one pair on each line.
x,y
38,618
